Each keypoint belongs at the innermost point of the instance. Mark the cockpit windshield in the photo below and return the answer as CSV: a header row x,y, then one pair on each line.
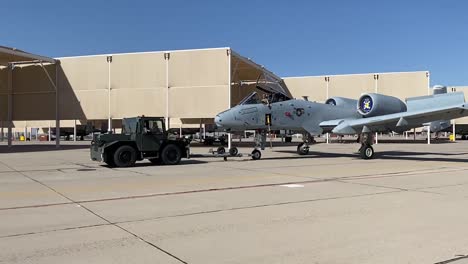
x,y
250,99
254,98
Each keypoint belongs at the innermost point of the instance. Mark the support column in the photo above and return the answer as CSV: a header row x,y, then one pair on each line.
x,y
327,81
166,57
428,75
109,110
376,138
50,133
414,134
10,103
57,108
454,131
204,131
74,130
376,82
328,138
429,135
229,93
1,132
229,140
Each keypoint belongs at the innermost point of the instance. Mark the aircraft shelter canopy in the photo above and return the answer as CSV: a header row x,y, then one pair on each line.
x,y
11,58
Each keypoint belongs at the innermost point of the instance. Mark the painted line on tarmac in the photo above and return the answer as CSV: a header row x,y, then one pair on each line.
x,y
117,224
53,230
292,185
347,178
103,218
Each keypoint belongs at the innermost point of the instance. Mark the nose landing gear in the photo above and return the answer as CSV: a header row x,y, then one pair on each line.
x,y
256,154
303,148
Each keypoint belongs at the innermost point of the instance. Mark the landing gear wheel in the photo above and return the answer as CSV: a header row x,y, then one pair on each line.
x,y
233,151
303,149
221,150
156,161
171,155
125,156
366,152
256,154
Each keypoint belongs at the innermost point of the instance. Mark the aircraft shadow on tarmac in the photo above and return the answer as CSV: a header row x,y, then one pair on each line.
x,y
332,141
383,155
39,148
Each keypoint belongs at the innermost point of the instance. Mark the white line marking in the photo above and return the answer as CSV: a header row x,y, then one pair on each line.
x,y
292,185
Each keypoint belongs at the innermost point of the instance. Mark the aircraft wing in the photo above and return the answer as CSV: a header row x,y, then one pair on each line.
x,y
396,122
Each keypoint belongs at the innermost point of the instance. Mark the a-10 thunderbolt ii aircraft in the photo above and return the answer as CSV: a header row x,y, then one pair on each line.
x,y
371,113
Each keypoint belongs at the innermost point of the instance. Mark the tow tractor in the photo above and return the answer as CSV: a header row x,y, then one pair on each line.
x,y
141,138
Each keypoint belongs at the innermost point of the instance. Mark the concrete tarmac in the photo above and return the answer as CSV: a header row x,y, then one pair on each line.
x,y
408,205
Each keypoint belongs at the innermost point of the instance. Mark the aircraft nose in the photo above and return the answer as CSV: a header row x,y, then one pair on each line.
x,y
218,120
226,119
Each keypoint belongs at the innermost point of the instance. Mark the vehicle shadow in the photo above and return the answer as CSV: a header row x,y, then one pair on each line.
x,y
39,148
149,164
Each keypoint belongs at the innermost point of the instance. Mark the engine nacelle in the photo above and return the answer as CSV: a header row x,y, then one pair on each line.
x,y
373,104
341,101
439,89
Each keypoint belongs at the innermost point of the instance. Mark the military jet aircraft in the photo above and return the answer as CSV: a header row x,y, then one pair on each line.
x,y
371,113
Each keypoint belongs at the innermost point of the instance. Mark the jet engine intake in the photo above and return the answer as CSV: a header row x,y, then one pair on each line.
x,y
341,101
372,104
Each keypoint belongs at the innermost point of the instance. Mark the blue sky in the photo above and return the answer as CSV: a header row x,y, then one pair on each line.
x,y
291,38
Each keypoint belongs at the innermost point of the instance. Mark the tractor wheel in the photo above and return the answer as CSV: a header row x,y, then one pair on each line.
x,y
109,159
125,156
171,155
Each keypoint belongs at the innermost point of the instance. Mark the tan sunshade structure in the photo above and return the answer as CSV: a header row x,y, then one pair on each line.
x,y
184,86
399,84
11,58
9,55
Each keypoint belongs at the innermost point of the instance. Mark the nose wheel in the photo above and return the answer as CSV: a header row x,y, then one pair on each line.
x,y
303,149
